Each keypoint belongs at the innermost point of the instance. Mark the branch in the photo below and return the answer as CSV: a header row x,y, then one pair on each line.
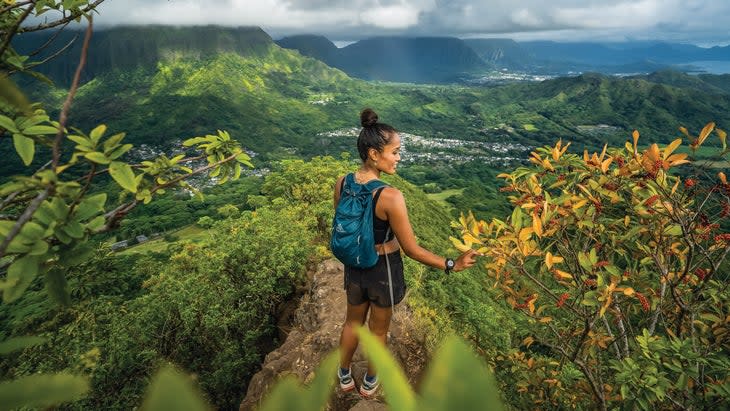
x,y
655,316
549,292
24,218
14,30
621,328
118,213
610,334
70,18
15,5
71,93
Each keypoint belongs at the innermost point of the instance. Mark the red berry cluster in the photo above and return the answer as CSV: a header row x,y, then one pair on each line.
x,y
689,183
643,300
651,200
722,237
701,273
601,264
563,298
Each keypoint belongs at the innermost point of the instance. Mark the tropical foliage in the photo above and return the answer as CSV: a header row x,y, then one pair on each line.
x,y
618,262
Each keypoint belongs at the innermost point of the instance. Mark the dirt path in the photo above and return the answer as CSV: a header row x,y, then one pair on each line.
x,y
316,332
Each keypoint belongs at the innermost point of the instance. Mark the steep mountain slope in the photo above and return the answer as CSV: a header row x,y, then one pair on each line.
x,y
503,53
318,47
126,48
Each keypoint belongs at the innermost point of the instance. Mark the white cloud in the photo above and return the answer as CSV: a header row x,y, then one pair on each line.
x,y
399,16
343,20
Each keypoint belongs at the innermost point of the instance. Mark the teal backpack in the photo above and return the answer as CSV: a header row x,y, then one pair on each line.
x,y
353,240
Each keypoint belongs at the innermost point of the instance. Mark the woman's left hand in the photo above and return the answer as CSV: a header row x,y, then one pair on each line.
x,y
466,260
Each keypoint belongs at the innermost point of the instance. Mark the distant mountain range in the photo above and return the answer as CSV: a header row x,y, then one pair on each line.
x,y
445,59
400,59
161,84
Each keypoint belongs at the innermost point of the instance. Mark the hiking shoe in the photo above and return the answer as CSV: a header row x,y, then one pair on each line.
x,y
347,383
369,386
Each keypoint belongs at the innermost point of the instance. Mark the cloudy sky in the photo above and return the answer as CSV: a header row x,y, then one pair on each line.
x,y
703,22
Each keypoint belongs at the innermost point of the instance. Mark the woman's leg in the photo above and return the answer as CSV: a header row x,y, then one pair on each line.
x,y
379,324
356,315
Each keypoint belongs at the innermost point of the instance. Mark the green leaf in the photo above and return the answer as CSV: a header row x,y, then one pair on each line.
x,y
42,390
673,230
171,390
5,227
96,133
124,176
32,232
97,157
401,395
120,151
40,130
20,274
81,140
444,387
8,124
286,396
517,219
113,141
19,343
90,206
70,257
195,140
59,208
74,229
98,222
584,261
321,387
12,95
25,147
57,287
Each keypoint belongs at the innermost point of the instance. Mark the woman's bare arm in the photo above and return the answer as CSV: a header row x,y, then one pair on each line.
x,y
395,208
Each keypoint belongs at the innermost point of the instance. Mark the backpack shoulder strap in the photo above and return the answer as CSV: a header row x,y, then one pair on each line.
x,y
347,179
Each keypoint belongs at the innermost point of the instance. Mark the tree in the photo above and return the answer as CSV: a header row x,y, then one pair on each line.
x,y
48,214
619,263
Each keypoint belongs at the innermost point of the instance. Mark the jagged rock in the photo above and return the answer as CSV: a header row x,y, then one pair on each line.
x,y
316,332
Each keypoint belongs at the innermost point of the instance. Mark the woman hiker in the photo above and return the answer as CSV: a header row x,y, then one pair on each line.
x,y
371,289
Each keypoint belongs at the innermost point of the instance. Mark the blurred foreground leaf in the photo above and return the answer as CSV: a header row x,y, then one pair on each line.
x,y
458,380
398,392
289,395
19,343
42,390
172,390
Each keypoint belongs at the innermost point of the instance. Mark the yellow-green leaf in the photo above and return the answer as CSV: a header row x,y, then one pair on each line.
x,y
390,374
97,132
25,147
171,390
42,390
97,157
19,343
124,176
20,273
443,387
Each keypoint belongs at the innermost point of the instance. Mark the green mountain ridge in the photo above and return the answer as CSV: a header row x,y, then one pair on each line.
x,y
128,47
281,104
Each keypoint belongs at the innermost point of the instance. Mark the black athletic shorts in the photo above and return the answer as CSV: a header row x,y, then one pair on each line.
x,y
371,284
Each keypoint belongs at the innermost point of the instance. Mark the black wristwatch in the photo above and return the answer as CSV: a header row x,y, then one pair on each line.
x,y
450,264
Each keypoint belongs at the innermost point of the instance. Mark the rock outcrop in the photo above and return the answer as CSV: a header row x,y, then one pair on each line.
x,y
316,332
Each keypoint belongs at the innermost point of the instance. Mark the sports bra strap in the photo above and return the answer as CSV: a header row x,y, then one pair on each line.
x,y
377,196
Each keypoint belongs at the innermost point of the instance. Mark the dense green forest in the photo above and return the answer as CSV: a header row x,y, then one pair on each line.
x,y
585,253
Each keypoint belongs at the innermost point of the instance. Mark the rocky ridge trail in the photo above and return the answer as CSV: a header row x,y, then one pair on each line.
x,y
316,332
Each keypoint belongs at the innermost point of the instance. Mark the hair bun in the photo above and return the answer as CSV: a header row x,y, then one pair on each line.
x,y
368,117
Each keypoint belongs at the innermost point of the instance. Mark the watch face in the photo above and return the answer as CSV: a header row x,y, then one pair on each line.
x,y
450,263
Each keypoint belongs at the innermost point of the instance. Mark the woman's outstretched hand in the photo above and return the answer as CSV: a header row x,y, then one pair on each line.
x,y
466,260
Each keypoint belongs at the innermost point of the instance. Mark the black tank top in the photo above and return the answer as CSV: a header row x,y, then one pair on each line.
x,y
380,227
